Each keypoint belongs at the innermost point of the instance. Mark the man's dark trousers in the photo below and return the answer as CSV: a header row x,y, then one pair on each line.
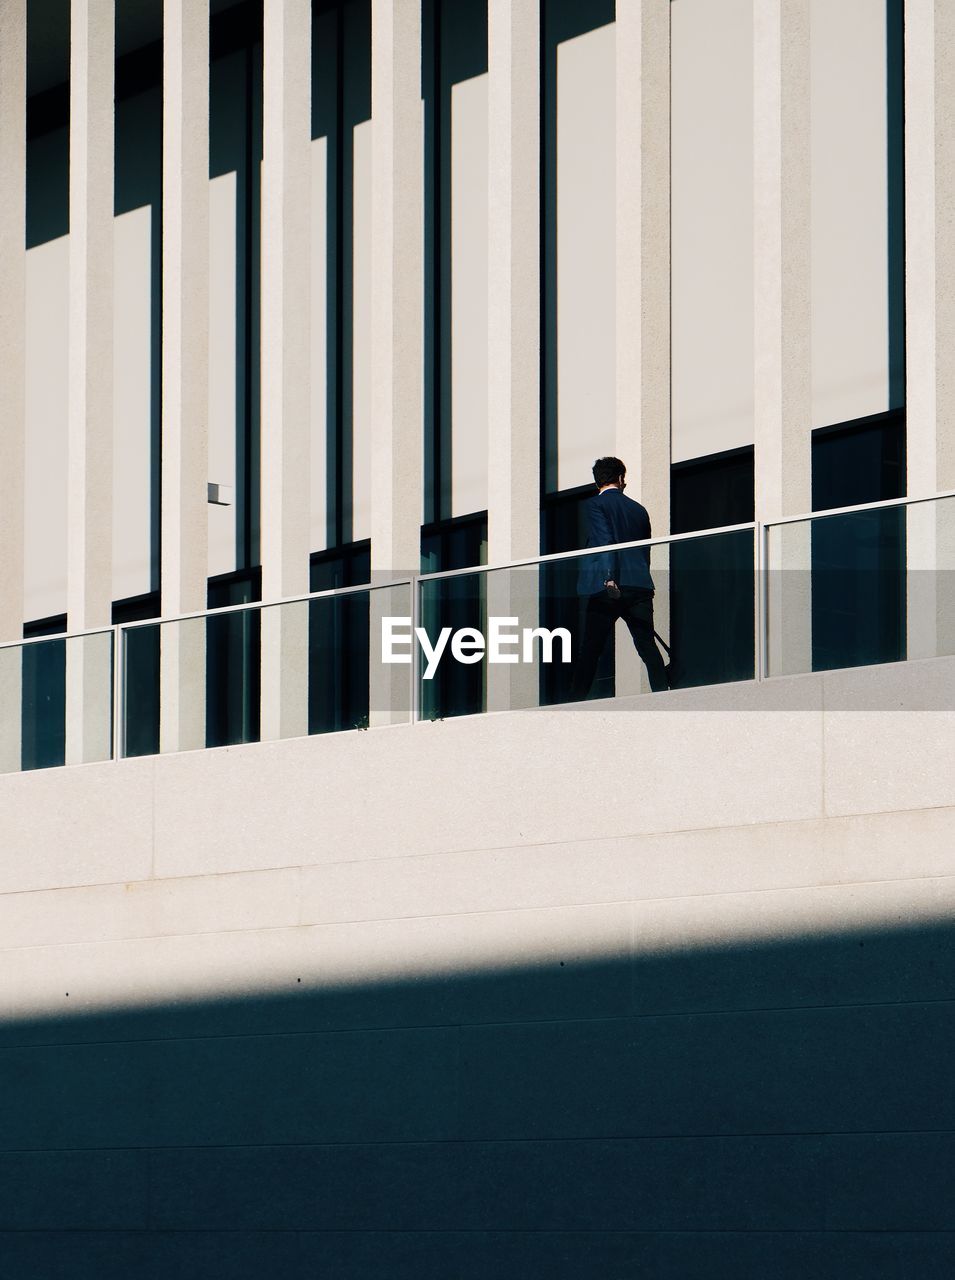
x,y
635,606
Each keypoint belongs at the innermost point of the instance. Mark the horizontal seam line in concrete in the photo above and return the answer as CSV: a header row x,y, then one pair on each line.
x,y
379,1029
479,1230
820,818
735,1136
451,914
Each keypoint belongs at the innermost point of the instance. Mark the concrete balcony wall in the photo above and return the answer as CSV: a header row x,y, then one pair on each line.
x,y
664,983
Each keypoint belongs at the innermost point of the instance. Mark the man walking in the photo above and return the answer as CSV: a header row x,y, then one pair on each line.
x,y
617,584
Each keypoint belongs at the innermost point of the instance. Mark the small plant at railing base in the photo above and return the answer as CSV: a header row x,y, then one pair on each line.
x,y
361,723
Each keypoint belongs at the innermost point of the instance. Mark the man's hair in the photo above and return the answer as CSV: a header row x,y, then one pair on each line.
x,y
606,471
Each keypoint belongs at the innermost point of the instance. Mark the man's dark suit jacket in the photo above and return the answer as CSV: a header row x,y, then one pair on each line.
x,y
613,517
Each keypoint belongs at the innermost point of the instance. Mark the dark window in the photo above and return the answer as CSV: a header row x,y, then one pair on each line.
x,y
712,580
456,689
338,640
43,706
233,656
454,544
713,491
141,675
858,560
564,528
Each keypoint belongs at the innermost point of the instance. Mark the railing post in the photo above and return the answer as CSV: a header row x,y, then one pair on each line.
x,y
415,703
118,682
761,564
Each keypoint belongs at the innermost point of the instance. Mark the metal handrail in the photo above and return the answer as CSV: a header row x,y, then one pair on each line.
x,y
265,604
761,530
528,562
864,506
57,635
531,561
205,613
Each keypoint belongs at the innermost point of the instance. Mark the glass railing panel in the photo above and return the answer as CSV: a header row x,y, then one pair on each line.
x,y
266,672
711,590
448,606
169,683
860,587
233,660
11,704
89,697
385,679
930,578
548,633
788,599
141,690
358,675
191,683
43,704
57,702
339,651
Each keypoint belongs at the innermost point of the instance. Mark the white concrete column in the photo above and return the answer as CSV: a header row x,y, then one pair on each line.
x,y
513,279
90,417
286,393
921,246
643,287
782,257
13,154
643,252
13,158
929,248
185,369
397,318
922,436
397,255
513,328
930,321
782,334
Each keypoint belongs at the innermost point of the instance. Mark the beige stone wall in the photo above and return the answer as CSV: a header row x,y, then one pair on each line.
x,y
460,984
778,788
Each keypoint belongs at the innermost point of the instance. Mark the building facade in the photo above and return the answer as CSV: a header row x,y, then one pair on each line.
x,y
305,299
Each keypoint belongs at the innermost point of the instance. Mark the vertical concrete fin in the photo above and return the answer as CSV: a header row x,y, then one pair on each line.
x,y
513,279
12,313
90,413
91,314
397,256
13,155
782,262
286,393
185,367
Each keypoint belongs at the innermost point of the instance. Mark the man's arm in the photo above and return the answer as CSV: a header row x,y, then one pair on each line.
x,y
600,534
649,534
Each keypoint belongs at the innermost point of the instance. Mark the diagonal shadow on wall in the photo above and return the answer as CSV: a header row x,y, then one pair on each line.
x,y
771,1110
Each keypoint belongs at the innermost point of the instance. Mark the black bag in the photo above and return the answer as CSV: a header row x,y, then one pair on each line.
x,y
671,669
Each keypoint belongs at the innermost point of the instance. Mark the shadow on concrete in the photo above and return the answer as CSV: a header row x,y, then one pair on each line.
x,y
780,1110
